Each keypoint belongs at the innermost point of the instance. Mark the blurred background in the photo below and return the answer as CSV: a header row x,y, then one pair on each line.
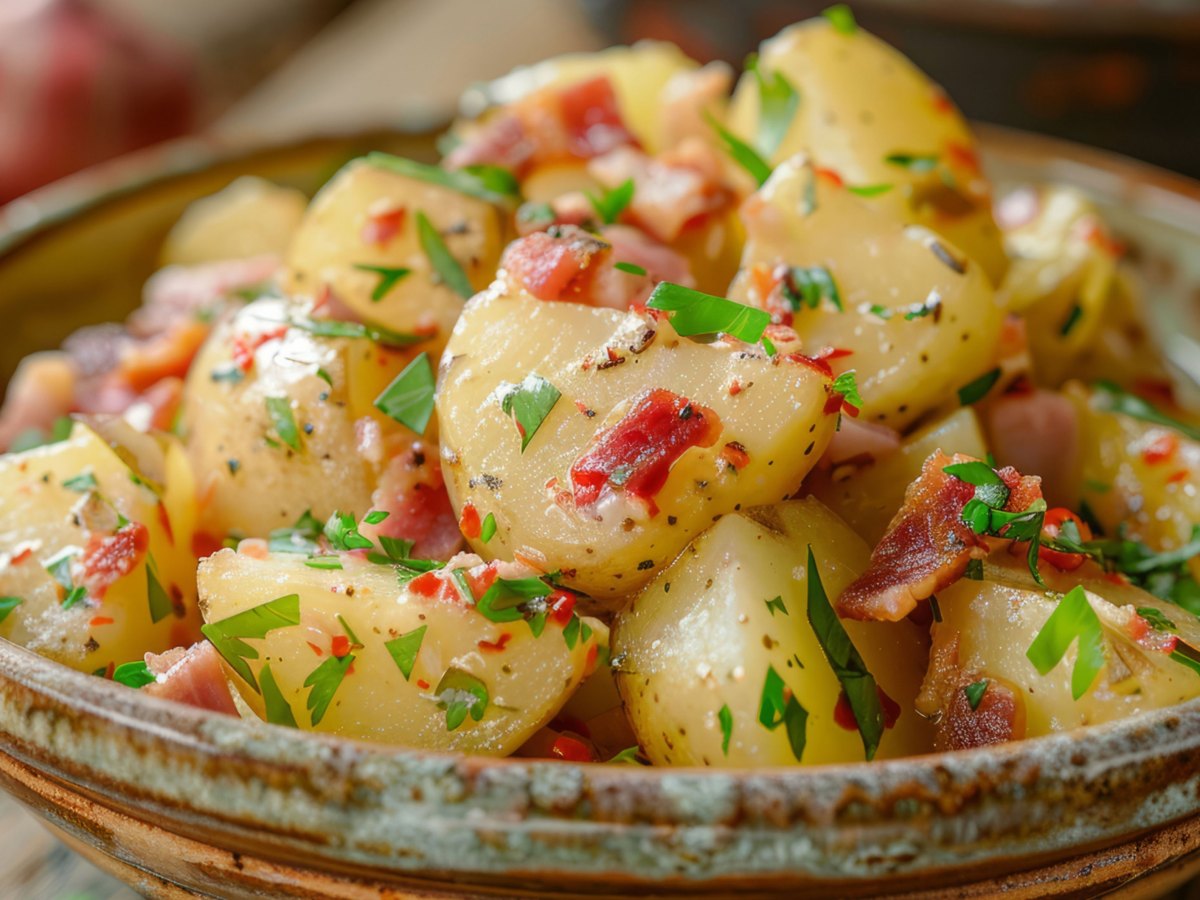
x,y
85,80
82,81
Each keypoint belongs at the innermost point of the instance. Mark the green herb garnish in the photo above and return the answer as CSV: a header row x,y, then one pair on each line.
x,y
1115,399
283,421
323,682
611,203
488,183
7,605
133,674
447,268
777,105
81,483
1072,619
742,153
776,603
695,313
460,693
841,18
630,268
527,404
228,635
156,597
976,390
389,277
779,706
914,162
809,286
409,398
279,711
975,692
487,530
725,718
405,648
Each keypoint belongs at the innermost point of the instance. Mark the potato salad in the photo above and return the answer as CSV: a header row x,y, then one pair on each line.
x,y
669,418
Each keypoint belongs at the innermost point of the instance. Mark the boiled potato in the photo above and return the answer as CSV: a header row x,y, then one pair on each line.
x,y
272,418
367,215
96,566
1136,475
393,660
251,217
608,365
861,102
639,75
868,498
921,320
704,635
1063,274
988,626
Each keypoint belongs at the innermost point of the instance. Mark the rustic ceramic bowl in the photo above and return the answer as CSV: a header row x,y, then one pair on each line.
x,y
180,802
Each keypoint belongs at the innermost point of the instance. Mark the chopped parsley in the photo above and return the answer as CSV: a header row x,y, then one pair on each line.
x,y
881,311
513,599
283,421
491,184
389,277
405,648
448,269
7,605
914,162
869,190
59,567
1071,320
300,538
776,603
841,18
1113,398
630,268
725,718
279,711
1155,618
779,706
1073,619
975,692
133,674
777,105
409,398
323,683
36,437
228,635
976,390
156,597
487,530
335,328
611,203
809,286
342,533
629,756
81,483
742,153
461,694
695,313
846,384
325,563
527,404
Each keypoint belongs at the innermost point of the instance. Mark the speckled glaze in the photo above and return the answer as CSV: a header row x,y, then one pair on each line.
x,y
179,802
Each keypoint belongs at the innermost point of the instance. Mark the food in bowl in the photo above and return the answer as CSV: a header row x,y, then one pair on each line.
x,y
654,424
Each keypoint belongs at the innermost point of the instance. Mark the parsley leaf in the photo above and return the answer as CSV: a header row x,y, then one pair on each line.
x,y
7,605
133,674
725,718
841,18
488,183
404,650
300,538
990,488
1072,618
36,437
845,660
693,313
324,681
742,153
776,603
279,711
976,390
59,567
487,530
389,277
914,162
335,328
448,269
975,693
527,404
460,693
1071,320
156,597
512,599
777,105
629,756
279,411
1114,399
846,384
869,190
342,533
779,706
808,286
1155,618
228,634
611,203
409,398
631,268
81,483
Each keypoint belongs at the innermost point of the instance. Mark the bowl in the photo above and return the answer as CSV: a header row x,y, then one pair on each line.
x,y
179,802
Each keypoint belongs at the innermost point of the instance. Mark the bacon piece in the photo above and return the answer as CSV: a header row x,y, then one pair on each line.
x,y
927,545
109,557
193,676
412,492
1036,432
180,292
999,717
861,442
41,391
689,96
559,264
635,454
166,355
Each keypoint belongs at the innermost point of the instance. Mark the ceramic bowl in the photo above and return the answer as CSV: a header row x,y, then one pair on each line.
x,y
179,802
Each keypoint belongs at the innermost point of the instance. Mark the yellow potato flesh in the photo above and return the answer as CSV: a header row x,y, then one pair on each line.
x,y
527,681
506,335
41,518
701,637
868,498
905,366
250,481
862,101
336,238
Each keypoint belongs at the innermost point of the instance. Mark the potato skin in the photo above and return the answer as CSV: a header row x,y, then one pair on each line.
x,y
777,413
862,101
702,636
528,678
42,516
340,232
250,481
906,366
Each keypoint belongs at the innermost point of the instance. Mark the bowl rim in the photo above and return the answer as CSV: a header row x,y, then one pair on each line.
x,y
48,711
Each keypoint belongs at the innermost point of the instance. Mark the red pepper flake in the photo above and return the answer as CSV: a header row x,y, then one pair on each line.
x,y
164,519
484,580
635,454
315,649
381,227
765,279
735,388
1137,627
1096,235
1161,448
426,585
1051,526
1115,578
498,645
571,749
110,669
942,103
964,156
339,646
562,607
1173,478
21,555
843,714
469,523
734,453
829,176
245,346
828,353
205,544
1158,391
423,684
815,363
100,620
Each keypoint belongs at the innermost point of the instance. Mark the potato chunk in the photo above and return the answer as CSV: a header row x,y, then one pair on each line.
x,y
276,419
353,652
874,119
920,320
96,566
607,489
364,222
705,635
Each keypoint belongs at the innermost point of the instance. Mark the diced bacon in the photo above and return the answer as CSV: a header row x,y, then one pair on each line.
x,y
41,391
861,442
560,264
550,125
382,226
193,676
1000,717
927,545
1036,432
630,245
109,557
180,292
412,492
168,354
635,454
688,97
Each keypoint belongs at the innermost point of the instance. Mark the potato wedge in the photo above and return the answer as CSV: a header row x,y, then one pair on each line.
x,y
704,635
866,499
869,115
96,566
609,368
272,414
920,319
352,652
367,216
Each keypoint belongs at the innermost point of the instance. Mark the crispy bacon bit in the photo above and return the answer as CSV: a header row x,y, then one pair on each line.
x,y
927,545
735,456
1000,717
193,676
168,354
1161,449
469,522
109,557
635,454
498,645
1051,526
412,492
382,226
556,265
